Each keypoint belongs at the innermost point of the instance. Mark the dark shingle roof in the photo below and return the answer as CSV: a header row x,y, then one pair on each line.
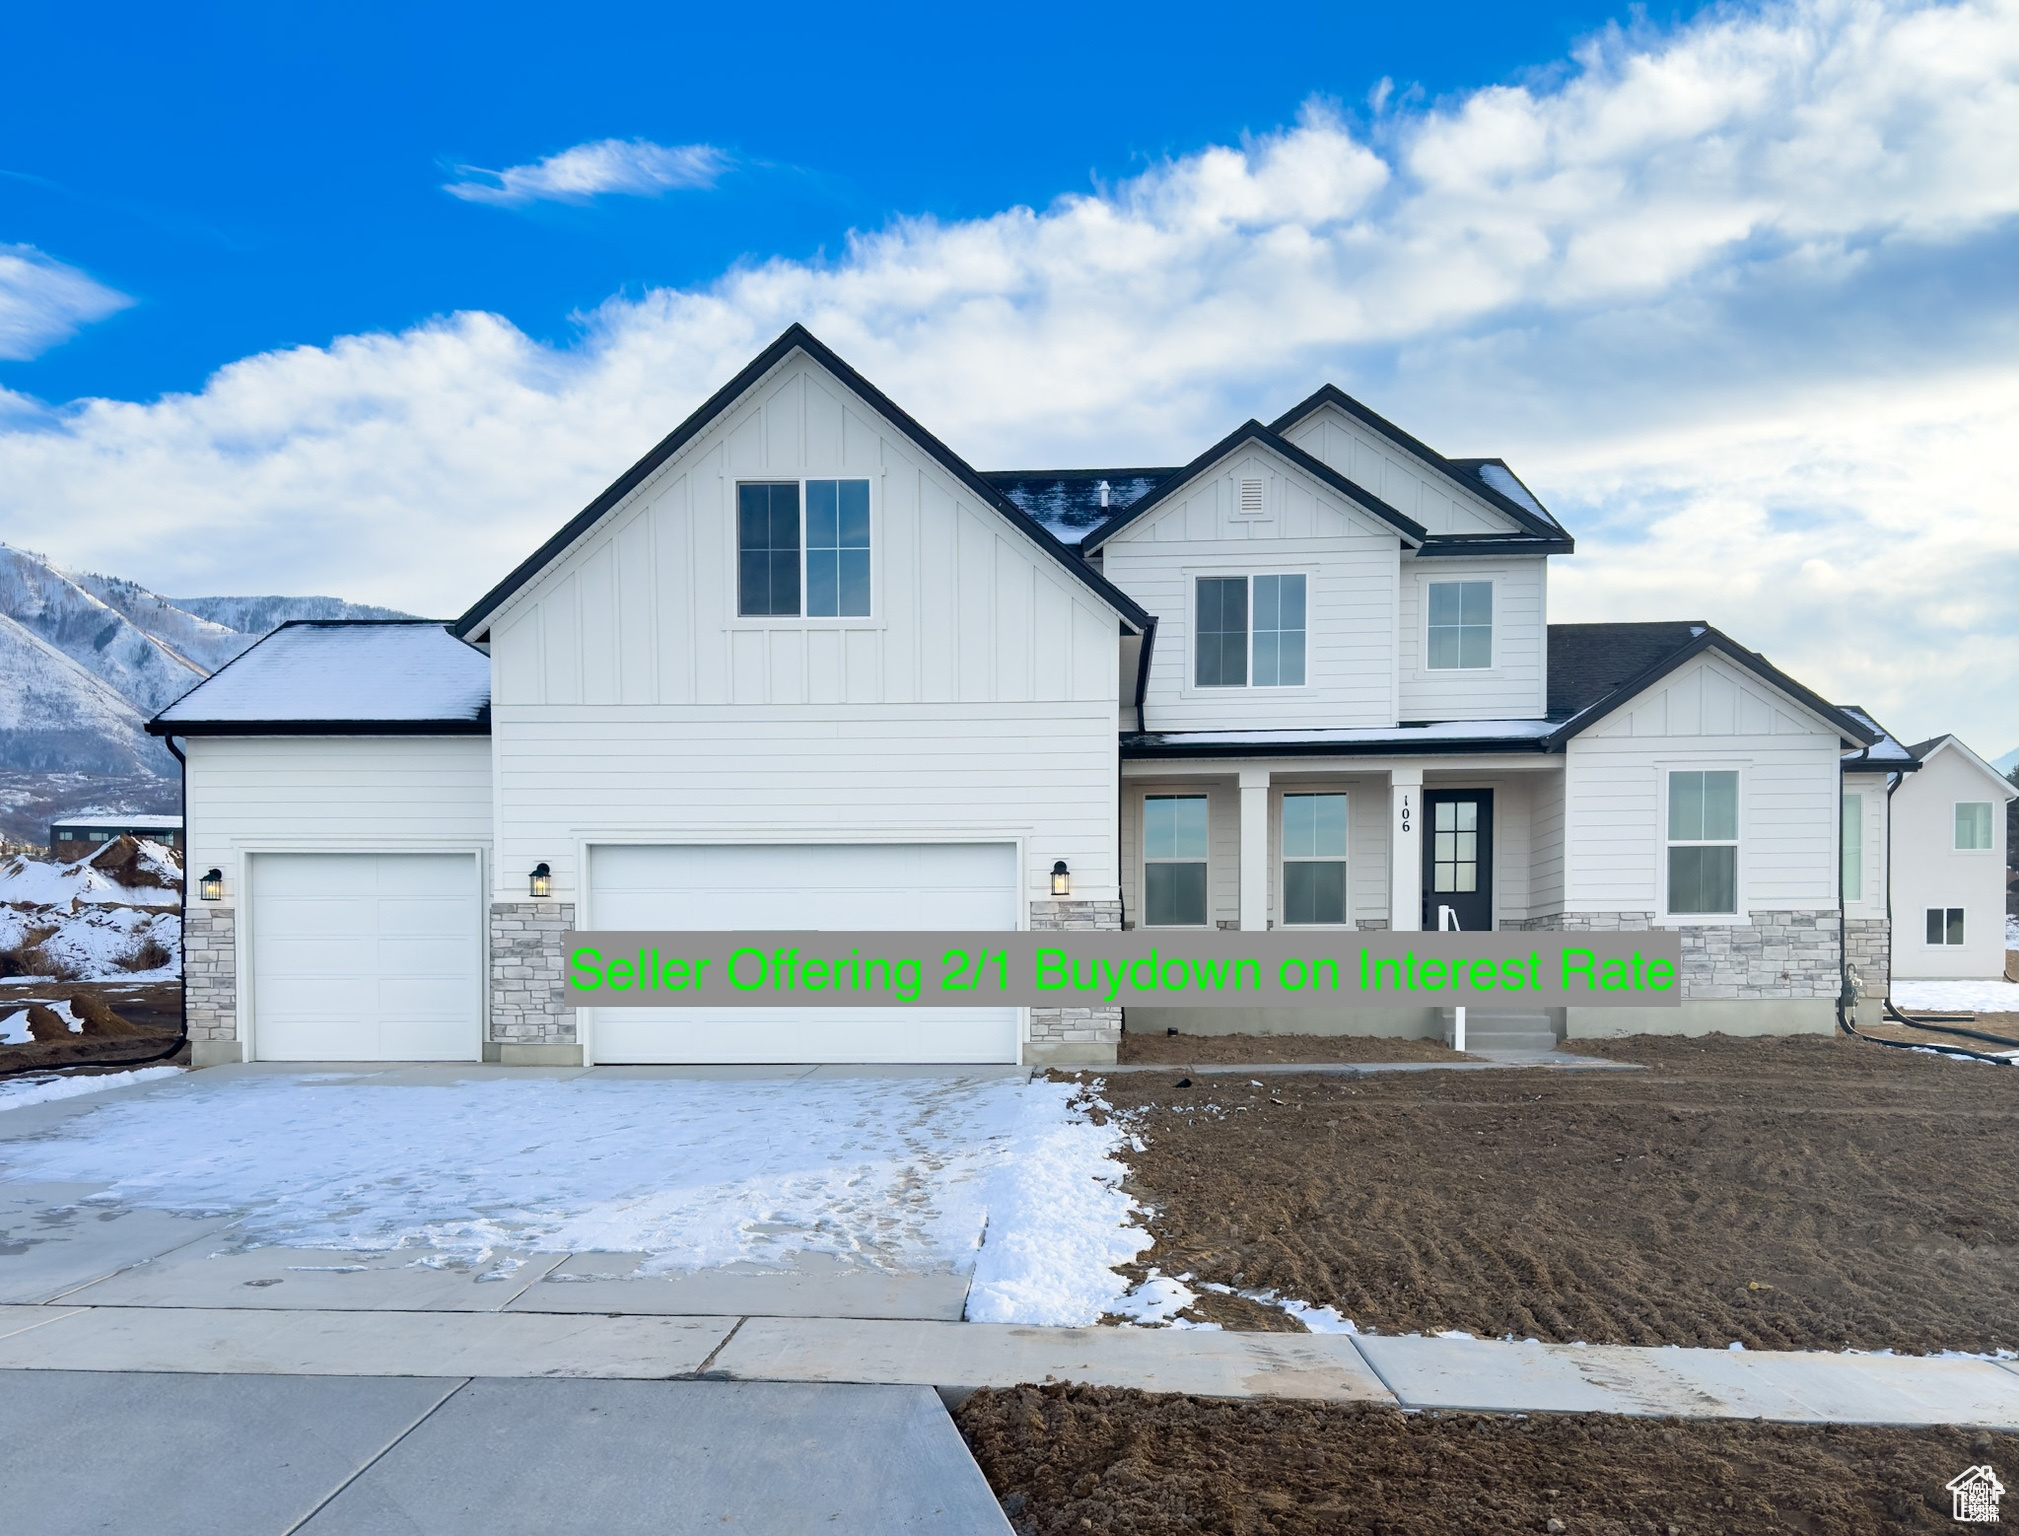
x,y
1068,501
1588,661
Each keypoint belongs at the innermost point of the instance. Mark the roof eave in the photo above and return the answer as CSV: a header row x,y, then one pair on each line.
x,y
1139,745
477,727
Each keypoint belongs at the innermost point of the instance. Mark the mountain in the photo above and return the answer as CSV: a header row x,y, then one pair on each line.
x,y
86,660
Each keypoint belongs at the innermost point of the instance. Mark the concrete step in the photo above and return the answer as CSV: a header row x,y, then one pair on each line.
x,y
1503,1029
1508,1040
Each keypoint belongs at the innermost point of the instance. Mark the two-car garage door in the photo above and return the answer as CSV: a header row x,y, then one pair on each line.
x,y
366,957
920,887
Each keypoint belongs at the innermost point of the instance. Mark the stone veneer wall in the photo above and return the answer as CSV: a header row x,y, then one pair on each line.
x,y
526,973
210,972
1868,942
1079,1032
1778,955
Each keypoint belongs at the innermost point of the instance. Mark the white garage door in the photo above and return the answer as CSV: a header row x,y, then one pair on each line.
x,y
884,886
366,957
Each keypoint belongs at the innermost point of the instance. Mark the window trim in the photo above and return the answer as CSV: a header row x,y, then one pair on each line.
x,y
1992,847
1143,861
1847,818
1742,917
1424,581
876,618
1192,687
1283,860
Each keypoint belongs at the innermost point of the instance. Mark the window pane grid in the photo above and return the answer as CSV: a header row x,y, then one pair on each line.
x,y
1279,631
1222,660
767,542
1461,625
832,567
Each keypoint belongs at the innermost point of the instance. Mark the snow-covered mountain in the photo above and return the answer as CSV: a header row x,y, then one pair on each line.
x,y
85,660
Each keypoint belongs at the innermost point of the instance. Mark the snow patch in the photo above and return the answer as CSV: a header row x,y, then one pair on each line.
x,y
1957,996
41,1090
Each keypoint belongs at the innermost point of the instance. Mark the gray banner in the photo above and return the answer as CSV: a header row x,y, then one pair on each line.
x,y
1163,968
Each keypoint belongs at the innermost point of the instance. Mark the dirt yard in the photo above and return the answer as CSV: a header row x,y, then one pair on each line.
x,y
1206,1050
1794,1193
124,1021
1066,1460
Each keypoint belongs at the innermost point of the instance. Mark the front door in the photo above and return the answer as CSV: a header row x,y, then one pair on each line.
x,y
1458,858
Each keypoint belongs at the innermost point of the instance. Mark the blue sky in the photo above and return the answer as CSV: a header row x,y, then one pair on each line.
x,y
366,302
255,176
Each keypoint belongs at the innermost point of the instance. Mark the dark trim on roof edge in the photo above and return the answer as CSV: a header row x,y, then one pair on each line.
x,y
1137,746
795,337
1754,663
1254,431
477,727
1459,545
1857,764
1331,394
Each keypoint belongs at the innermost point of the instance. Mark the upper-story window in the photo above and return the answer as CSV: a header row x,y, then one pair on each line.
x,y
1973,825
1250,631
1461,624
802,549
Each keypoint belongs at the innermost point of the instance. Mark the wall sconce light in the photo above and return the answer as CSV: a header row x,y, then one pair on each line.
x,y
1062,879
541,883
211,886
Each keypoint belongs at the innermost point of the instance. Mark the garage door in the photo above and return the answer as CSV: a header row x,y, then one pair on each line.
x,y
884,886
366,957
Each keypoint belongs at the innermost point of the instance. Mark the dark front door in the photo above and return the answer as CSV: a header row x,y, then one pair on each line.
x,y
1458,857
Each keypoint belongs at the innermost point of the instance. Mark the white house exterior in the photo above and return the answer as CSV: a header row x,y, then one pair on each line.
x,y
1948,855
802,667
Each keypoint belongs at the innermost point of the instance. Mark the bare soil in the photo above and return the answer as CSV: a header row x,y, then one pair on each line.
x,y
124,1022
1067,1460
1197,1050
1790,1193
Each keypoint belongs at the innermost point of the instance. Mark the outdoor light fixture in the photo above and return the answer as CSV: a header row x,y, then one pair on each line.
x,y
1062,879
211,886
542,882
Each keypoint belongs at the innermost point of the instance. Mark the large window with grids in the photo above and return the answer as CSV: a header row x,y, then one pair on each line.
x,y
802,549
1461,625
1703,842
1174,861
1314,859
1250,631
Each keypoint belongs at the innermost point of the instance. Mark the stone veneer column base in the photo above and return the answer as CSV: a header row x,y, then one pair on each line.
x,y
529,1026
1868,942
1074,1037
210,984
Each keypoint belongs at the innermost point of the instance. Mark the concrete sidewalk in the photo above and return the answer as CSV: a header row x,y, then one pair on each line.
x,y
1409,1372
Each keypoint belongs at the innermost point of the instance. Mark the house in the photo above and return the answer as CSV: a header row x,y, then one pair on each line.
x,y
802,666
1948,865
78,837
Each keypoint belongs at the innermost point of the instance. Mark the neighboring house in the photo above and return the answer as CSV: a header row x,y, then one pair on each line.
x,y
78,837
1948,855
803,667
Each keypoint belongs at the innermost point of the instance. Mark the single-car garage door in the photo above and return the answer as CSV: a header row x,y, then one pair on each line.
x,y
366,957
929,887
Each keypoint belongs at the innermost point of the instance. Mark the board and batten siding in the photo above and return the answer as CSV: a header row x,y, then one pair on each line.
x,y
1396,475
981,695
1709,715
383,794
1349,560
1515,687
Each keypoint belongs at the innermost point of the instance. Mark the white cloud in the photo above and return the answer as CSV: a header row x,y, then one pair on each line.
x,y
636,167
1734,300
43,302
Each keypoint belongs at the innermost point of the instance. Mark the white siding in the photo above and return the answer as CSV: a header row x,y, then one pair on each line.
x,y
1709,715
381,793
1396,475
1348,557
1515,686
1545,858
1871,791
1930,871
980,696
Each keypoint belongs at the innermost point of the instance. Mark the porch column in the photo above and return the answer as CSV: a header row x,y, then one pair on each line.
x,y
1254,849
1405,849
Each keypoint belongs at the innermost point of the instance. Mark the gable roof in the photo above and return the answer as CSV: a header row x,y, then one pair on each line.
x,y
1595,669
1925,750
1252,431
797,338
1514,500
1068,501
340,677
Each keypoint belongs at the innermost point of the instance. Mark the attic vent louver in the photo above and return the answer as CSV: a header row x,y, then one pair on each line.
x,y
1251,498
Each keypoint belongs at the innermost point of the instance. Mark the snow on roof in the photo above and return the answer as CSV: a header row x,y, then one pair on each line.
x,y
1068,501
1501,478
1372,737
117,823
362,672
1886,752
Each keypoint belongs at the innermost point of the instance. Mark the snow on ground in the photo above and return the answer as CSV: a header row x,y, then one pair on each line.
x,y
901,1174
46,883
1957,996
76,921
21,1092
14,1028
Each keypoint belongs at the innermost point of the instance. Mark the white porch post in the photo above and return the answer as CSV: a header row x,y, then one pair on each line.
x,y
1254,849
1405,849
